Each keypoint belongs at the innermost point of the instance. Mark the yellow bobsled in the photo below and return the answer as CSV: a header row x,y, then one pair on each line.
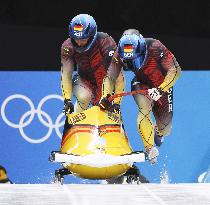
x,y
96,146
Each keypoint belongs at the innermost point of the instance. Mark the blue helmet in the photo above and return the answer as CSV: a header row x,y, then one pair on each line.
x,y
132,50
83,26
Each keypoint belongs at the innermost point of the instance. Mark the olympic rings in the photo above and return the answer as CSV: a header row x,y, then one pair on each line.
x,y
29,115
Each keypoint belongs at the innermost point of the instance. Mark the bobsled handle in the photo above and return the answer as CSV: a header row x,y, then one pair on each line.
x,y
112,97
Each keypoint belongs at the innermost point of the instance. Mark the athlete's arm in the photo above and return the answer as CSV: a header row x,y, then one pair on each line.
x,y
172,76
170,64
113,72
67,67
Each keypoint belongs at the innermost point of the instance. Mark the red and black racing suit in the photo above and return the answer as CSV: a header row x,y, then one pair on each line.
x,y
91,69
159,70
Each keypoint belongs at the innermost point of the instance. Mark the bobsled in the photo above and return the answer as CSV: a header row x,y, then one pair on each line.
x,y
96,146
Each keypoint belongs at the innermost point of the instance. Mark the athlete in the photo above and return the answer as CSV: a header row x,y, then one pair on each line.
x,y
156,70
90,53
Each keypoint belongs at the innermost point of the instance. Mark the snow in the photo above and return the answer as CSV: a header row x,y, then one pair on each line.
x,y
95,194
205,177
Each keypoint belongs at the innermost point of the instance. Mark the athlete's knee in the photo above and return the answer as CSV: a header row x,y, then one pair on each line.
x,y
144,112
144,104
82,94
83,98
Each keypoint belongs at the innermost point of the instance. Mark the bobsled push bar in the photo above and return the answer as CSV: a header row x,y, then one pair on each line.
x,y
98,160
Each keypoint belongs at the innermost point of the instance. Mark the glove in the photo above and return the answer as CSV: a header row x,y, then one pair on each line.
x,y
68,107
116,108
105,104
155,93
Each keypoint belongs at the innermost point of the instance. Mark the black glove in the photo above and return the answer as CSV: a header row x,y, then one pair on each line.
x,y
68,107
116,108
105,104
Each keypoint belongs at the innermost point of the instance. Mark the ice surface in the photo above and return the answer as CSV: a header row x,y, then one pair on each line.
x,y
95,194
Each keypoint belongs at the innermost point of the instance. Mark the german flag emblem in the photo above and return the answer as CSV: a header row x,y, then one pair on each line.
x,y
128,48
78,27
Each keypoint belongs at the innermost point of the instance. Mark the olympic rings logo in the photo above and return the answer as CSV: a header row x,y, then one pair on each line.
x,y
29,115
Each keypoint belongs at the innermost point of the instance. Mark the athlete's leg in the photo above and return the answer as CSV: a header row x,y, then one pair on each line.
x,y
144,120
145,125
163,113
82,93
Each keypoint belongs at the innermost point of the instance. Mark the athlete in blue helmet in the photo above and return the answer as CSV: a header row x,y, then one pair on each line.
x,y
89,52
156,70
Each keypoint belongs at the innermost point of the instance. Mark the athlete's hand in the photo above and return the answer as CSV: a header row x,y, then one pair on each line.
x,y
116,108
68,107
105,104
155,93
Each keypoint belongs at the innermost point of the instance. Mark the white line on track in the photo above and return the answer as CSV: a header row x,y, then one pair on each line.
x,y
153,195
70,195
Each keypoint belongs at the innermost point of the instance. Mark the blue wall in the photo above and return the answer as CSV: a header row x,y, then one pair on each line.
x,y
184,155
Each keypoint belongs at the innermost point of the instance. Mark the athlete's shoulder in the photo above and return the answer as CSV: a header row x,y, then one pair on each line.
x,y
153,43
67,48
157,49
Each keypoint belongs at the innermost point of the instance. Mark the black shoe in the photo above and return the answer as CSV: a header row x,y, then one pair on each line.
x,y
158,140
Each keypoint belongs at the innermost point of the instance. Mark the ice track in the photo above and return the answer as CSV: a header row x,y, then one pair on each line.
x,y
98,194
